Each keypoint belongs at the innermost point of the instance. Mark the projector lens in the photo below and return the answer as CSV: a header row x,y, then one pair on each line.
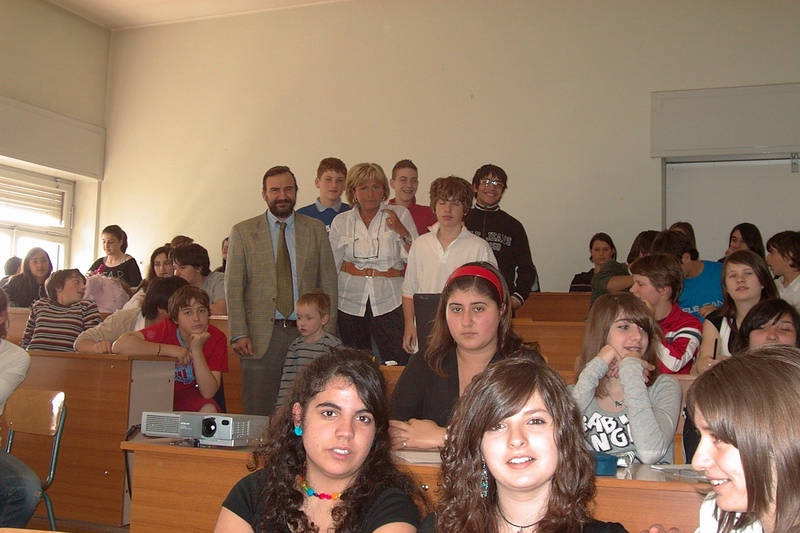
x,y
209,427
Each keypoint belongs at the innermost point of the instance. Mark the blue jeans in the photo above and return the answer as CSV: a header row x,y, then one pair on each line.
x,y
20,491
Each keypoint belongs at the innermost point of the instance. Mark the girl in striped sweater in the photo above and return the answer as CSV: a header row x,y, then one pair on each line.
x,y
56,321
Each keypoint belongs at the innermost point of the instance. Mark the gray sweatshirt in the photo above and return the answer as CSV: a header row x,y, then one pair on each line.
x,y
647,423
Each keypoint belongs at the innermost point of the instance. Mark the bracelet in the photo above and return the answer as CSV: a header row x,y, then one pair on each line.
x,y
159,350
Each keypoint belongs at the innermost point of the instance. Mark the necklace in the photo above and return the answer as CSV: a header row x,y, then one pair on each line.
x,y
512,524
618,403
311,492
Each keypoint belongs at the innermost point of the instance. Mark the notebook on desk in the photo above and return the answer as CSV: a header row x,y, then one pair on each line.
x,y
419,457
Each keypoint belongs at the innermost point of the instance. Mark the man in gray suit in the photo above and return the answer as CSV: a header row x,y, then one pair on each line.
x,y
260,332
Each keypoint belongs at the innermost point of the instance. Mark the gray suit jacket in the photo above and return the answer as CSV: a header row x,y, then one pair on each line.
x,y
250,287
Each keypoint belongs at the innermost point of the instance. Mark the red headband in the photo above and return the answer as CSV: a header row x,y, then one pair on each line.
x,y
478,272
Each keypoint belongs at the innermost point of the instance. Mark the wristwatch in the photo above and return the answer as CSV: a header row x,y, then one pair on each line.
x,y
407,239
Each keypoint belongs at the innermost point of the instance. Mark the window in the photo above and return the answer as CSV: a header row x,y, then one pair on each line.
x,y
35,210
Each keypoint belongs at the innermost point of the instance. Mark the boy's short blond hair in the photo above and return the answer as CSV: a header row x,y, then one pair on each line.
x,y
318,300
662,270
183,297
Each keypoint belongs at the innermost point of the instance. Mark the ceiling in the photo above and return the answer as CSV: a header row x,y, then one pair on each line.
x,y
120,14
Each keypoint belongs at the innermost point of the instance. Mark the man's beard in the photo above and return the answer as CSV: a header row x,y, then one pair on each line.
x,y
282,209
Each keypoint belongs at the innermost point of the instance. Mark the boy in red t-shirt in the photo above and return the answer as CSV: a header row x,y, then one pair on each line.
x,y
658,281
199,348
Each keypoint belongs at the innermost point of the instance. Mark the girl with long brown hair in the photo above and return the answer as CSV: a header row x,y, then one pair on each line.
x,y
627,406
472,330
746,280
515,460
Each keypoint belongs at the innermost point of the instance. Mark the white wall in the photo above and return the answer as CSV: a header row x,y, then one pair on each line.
x,y
557,93
56,61
52,59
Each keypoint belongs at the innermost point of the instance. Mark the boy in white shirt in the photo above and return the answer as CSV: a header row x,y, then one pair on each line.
x,y
435,255
783,258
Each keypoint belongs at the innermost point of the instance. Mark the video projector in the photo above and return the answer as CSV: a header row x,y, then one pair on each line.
x,y
215,429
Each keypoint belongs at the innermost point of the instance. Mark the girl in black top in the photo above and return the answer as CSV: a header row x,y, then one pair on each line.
x,y
28,286
117,264
326,462
515,460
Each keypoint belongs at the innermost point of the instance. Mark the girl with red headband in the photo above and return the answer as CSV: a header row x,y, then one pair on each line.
x,y
472,330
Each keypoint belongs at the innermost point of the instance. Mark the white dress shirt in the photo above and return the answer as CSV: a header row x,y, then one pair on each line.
x,y
377,247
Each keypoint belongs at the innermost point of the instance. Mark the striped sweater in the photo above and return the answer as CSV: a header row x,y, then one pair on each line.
x,y
300,354
55,327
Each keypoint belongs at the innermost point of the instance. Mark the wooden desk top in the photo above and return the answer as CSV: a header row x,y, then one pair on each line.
x,y
637,496
637,476
176,446
96,356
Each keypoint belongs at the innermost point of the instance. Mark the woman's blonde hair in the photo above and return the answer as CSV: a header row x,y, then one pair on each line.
x,y
364,173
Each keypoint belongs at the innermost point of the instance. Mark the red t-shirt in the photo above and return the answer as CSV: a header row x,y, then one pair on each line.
x,y
215,351
423,215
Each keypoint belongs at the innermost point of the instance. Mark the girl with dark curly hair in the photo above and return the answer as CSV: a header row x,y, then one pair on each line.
x,y
325,464
515,460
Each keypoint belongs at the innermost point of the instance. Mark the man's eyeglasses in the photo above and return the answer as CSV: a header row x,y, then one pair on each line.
x,y
494,183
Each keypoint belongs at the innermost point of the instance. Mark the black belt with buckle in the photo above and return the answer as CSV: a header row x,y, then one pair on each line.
x,y
282,322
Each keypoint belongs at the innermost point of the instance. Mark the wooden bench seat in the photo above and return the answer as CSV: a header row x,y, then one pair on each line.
x,y
560,342
555,306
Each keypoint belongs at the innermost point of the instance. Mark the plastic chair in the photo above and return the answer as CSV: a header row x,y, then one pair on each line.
x,y
38,412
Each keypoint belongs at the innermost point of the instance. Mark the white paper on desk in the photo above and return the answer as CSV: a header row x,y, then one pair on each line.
x,y
679,470
419,457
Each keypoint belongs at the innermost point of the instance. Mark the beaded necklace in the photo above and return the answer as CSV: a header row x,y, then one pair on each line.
x,y
311,492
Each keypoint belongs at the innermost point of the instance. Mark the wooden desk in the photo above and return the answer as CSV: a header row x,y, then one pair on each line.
x,y
17,318
179,488
165,497
105,395
637,497
166,477
640,496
